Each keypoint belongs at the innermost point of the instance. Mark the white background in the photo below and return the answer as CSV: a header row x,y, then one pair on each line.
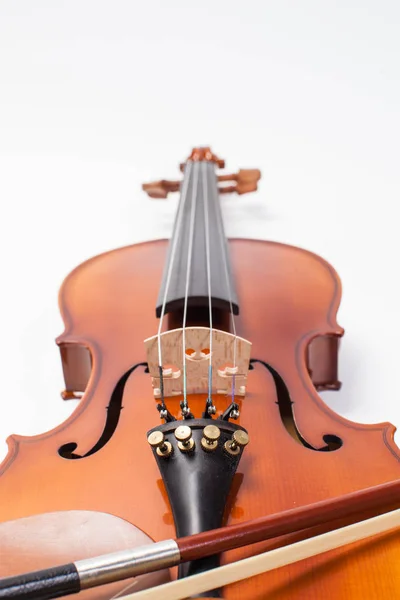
x,y
98,96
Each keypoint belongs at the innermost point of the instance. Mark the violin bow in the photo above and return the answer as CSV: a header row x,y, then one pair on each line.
x,y
267,561
75,577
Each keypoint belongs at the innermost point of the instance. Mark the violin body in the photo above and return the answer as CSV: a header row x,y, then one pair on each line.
x,y
300,451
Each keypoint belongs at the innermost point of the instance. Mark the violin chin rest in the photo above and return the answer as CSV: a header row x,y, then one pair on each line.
x,y
52,539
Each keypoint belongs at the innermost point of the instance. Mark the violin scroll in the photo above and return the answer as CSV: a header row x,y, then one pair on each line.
x,y
200,154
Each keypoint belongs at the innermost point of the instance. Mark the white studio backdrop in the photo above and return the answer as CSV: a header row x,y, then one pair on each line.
x,y
97,97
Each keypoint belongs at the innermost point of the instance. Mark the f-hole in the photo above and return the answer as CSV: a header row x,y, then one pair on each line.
x,y
331,442
113,414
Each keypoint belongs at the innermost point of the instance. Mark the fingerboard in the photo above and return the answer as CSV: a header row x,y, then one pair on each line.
x,y
188,243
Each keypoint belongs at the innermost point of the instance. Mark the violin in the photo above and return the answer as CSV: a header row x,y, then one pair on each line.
x,y
198,362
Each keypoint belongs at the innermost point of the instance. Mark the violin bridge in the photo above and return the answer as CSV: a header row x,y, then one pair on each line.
x,y
230,362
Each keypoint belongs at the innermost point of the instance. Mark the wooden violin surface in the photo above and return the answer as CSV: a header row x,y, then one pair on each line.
x,y
300,451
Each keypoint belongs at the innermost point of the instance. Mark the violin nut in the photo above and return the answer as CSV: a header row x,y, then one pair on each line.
x,y
209,441
239,440
156,439
183,434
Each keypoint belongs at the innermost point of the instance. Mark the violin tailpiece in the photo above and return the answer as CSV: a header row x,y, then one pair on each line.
x,y
199,505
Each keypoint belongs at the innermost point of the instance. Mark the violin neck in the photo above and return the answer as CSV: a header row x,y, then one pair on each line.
x,y
198,252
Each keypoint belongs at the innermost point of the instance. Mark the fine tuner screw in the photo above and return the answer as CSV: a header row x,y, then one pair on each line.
x,y
183,434
156,440
239,440
209,441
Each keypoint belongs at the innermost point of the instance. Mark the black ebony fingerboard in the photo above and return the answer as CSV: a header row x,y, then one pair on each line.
x,y
222,293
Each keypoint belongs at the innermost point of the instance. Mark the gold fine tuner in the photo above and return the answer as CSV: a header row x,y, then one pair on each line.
x,y
156,439
239,440
183,434
209,441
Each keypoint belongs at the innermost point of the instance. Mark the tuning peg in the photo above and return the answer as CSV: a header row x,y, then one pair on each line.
x,y
161,189
246,181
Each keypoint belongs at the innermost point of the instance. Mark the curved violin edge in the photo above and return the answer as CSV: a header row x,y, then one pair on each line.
x,y
69,336
389,430
332,328
13,441
322,345
66,317
163,242
386,428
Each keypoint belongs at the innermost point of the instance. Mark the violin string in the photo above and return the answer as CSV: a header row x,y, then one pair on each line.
x,y
228,285
185,408
208,261
178,226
